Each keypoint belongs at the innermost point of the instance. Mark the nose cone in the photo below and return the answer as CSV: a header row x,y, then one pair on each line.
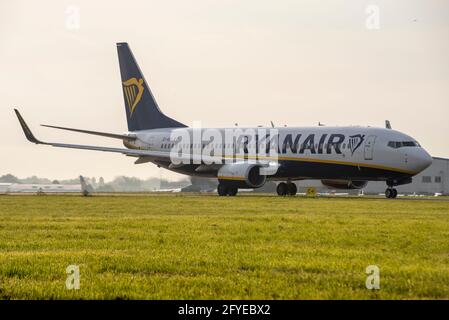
x,y
422,160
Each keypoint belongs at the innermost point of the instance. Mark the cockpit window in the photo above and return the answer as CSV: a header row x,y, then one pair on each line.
x,y
401,144
410,144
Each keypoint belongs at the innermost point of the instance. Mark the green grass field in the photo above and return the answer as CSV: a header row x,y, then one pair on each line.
x,y
208,247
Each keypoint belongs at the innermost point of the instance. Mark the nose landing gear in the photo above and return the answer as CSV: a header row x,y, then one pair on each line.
x,y
284,189
391,193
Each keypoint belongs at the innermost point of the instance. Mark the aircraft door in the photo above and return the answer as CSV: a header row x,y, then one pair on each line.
x,y
369,147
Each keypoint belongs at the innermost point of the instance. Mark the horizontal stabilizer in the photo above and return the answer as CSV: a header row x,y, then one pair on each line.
x,y
103,134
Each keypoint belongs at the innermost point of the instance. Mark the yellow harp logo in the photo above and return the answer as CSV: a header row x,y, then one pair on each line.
x,y
133,90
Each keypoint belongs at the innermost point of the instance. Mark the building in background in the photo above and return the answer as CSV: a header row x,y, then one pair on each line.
x,y
433,180
42,188
4,187
199,184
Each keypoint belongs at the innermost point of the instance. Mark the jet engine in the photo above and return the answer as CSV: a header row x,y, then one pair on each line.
x,y
344,184
242,175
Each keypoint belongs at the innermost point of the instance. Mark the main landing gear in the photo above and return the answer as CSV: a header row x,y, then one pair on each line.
x,y
226,190
284,189
391,193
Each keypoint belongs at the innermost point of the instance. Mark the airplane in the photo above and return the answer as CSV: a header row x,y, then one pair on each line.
x,y
246,158
48,188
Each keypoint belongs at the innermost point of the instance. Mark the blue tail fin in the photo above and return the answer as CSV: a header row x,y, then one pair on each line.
x,y
142,111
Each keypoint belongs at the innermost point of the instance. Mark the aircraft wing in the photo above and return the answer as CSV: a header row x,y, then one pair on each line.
x,y
145,154
129,152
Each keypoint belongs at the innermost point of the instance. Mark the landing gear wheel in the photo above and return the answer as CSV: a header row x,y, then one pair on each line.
x,y
222,190
282,189
292,189
395,193
391,193
232,191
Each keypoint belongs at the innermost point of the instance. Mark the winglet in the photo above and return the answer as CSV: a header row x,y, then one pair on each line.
x,y
26,130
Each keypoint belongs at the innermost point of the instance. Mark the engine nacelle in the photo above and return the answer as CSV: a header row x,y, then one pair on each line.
x,y
344,184
242,175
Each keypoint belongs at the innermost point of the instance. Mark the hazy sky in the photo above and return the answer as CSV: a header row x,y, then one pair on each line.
x,y
248,61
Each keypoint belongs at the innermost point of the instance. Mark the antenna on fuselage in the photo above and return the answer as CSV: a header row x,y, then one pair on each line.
x,y
272,124
387,124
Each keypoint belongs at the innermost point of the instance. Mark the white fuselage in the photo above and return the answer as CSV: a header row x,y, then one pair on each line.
x,y
363,153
